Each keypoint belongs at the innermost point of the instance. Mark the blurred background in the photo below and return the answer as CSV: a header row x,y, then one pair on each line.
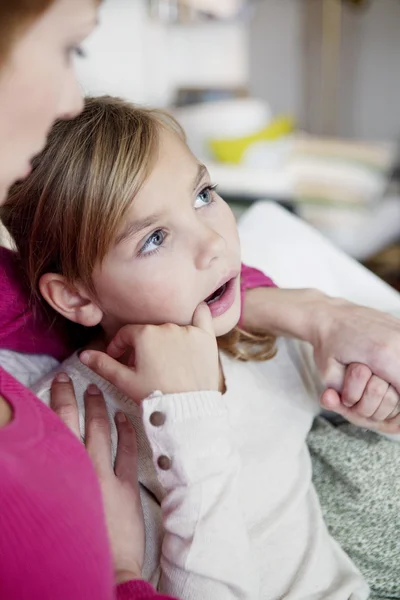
x,y
295,101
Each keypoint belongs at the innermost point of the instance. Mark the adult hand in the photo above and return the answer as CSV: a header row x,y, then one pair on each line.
x,y
168,358
119,485
364,395
344,333
377,408
341,334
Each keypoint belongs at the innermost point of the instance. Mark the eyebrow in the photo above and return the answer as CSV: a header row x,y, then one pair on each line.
x,y
135,227
201,171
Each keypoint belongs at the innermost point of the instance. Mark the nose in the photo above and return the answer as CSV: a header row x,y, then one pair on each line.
x,y
71,99
211,247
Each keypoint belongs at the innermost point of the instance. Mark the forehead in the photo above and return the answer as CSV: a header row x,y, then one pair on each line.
x,y
174,166
172,177
72,16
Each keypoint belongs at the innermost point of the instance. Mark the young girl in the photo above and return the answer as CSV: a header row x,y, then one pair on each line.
x,y
119,224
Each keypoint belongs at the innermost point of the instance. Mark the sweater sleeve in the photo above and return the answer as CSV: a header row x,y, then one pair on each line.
x,y
252,278
206,551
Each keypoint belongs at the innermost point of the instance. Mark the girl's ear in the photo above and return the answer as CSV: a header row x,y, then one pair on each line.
x,y
71,301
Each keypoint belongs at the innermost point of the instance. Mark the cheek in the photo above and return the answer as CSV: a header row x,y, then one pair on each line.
x,y
32,115
228,227
139,298
42,86
46,102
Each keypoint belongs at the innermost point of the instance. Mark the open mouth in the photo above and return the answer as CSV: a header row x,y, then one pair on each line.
x,y
215,296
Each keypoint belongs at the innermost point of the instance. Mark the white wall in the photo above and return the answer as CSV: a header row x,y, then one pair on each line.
x,y
370,71
115,62
275,48
145,61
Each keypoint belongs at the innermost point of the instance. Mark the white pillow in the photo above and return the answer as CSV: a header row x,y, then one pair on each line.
x,y
296,256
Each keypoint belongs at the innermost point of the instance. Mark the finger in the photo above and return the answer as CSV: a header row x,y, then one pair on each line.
x,y
126,461
202,319
392,398
63,402
97,430
389,425
124,339
330,400
111,370
356,379
372,397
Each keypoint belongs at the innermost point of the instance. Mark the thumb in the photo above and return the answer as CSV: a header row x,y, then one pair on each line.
x,y
122,377
330,400
202,319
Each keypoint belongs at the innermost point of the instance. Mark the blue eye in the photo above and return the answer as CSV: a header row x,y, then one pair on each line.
x,y
153,242
205,197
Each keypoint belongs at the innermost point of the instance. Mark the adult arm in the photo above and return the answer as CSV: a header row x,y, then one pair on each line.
x,y
340,332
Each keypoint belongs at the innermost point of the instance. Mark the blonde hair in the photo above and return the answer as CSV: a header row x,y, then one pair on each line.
x,y
65,216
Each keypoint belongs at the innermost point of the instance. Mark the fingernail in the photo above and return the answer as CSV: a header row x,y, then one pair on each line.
x,y
120,417
84,357
62,378
93,390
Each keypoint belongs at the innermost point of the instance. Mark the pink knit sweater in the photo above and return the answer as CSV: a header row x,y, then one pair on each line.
x,y
53,540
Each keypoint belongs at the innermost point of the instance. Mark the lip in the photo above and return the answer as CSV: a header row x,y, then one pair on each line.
x,y
220,306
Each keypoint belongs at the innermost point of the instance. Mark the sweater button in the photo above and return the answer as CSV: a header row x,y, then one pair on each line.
x,y
157,418
164,463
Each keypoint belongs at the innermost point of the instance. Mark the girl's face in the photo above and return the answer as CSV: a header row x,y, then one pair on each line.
x,y
177,246
38,84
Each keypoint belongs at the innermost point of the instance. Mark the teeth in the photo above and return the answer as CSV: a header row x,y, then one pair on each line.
x,y
216,295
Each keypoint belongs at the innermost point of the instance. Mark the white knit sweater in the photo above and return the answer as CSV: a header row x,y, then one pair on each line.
x,y
236,514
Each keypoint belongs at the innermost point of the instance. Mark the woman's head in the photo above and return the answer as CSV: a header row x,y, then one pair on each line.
x,y
119,223
38,39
